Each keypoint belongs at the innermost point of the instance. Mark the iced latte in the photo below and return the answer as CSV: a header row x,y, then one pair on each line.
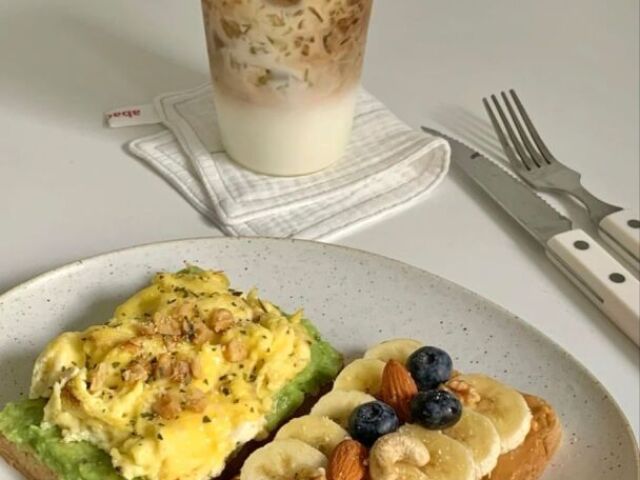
x,y
285,75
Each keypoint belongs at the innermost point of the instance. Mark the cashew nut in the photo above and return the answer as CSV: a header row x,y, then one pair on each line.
x,y
311,474
398,457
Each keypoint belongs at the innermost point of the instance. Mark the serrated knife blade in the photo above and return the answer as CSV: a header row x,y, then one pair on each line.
x,y
537,217
604,280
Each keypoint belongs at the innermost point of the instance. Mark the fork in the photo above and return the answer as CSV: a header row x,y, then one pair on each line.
x,y
536,165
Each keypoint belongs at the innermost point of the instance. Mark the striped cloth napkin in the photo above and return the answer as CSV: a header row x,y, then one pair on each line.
x,y
387,166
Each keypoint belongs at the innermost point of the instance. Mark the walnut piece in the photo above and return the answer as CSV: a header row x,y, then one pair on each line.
x,y
221,320
467,394
167,406
132,346
181,372
167,325
235,351
146,329
136,371
164,366
201,333
196,401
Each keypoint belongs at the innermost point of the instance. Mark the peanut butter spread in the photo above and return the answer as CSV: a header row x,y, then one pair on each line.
x,y
529,460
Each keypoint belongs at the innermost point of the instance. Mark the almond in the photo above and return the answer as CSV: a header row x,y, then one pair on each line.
x,y
348,461
398,388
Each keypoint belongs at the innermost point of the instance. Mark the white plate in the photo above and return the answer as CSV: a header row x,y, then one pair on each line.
x,y
357,299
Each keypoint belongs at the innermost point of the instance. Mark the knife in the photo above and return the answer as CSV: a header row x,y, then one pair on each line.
x,y
604,280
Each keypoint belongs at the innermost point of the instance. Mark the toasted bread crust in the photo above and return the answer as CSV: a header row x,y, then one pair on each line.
x,y
25,461
529,460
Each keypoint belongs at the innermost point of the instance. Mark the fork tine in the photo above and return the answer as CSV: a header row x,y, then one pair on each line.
x,y
512,135
538,160
548,156
506,146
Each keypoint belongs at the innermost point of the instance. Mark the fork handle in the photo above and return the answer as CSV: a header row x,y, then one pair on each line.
x,y
608,284
621,231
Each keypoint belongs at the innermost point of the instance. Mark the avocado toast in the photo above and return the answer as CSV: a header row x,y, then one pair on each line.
x,y
186,374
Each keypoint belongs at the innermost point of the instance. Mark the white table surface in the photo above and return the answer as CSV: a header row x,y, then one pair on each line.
x,y
68,190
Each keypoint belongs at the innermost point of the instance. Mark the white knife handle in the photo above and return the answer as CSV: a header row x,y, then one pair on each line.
x,y
621,231
601,277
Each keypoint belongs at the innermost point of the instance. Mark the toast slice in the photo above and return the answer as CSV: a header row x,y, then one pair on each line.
x,y
185,377
315,445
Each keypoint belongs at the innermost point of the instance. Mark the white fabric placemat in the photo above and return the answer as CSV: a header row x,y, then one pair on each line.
x,y
387,166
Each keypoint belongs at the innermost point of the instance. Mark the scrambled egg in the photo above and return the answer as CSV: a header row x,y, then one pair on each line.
x,y
185,372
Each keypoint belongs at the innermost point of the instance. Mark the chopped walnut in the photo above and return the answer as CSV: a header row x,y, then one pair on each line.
x,y
221,320
164,366
467,394
167,406
196,401
235,351
132,346
166,325
146,329
97,377
136,371
181,372
201,333
187,327
171,343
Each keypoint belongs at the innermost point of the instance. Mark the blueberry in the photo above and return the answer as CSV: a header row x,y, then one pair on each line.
x,y
372,420
436,409
429,367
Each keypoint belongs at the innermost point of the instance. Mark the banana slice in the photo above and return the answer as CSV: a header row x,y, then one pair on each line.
x,y
477,433
321,433
338,405
450,460
398,349
363,375
283,459
504,406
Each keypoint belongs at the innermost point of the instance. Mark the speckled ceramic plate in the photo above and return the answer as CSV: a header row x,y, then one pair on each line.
x,y
357,299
